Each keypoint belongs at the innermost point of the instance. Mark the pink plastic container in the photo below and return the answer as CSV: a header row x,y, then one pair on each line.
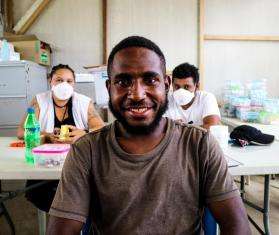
x,y
50,155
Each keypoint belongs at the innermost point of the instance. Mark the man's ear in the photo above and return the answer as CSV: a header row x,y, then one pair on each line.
x,y
167,81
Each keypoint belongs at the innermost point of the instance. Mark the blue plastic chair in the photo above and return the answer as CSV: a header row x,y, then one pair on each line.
x,y
86,227
210,225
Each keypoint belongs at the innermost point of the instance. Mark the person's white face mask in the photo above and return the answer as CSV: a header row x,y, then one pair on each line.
x,y
63,91
183,96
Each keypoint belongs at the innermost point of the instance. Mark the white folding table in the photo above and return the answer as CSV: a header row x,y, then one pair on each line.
x,y
13,167
257,160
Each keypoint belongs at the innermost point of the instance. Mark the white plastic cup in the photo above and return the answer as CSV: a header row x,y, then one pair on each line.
x,y
221,134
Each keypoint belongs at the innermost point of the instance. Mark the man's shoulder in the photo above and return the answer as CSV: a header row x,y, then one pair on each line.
x,y
204,99
205,95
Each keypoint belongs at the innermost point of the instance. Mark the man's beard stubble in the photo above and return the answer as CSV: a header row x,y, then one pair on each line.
x,y
140,130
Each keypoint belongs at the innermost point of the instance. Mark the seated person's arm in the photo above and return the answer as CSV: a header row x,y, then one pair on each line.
x,y
20,129
210,121
210,113
94,120
62,226
231,216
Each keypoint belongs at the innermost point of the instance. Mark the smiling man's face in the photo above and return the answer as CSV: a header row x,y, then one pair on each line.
x,y
138,89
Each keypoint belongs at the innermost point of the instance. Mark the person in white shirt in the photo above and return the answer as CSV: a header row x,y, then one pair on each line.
x,y
187,103
61,105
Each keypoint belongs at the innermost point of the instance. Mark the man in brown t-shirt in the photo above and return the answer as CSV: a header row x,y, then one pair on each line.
x,y
144,174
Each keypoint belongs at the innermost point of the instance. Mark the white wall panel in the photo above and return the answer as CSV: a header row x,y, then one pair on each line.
x,y
172,24
241,61
256,17
238,60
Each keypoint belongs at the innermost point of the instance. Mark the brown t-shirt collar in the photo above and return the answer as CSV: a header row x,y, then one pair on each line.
x,y
141,157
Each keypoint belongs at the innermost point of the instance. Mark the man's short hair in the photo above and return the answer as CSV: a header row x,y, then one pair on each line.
x,y
186,70
136,41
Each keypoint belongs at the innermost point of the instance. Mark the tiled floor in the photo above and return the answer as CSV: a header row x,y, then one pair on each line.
x,y
25,215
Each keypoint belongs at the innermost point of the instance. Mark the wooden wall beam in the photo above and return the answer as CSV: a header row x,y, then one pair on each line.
x,y
8,15
241,37
201,18
105,31
30,16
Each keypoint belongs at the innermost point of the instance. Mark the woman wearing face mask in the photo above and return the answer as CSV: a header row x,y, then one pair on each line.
x,y
60,106
187,103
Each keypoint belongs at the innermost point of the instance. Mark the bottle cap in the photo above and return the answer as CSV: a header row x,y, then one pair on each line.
x,y
30,110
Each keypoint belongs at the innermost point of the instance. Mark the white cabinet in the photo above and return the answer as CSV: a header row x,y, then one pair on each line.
x,y
20,81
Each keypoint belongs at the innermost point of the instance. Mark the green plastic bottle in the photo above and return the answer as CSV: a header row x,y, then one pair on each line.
x,y
31,134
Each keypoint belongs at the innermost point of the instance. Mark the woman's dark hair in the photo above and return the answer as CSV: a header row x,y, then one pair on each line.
x,y
60,66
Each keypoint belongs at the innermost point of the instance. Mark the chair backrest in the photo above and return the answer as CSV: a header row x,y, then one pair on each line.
x,y
86,227
209,223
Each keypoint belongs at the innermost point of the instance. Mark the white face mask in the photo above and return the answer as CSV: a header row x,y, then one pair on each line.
x,y
182,96
63,91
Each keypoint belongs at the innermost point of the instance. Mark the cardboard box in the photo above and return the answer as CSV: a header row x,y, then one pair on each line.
x,y
31,48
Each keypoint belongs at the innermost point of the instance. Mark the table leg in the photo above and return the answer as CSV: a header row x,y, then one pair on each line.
x,y
10,195
264,209
242,185
42,222
6,214
4,211
266,204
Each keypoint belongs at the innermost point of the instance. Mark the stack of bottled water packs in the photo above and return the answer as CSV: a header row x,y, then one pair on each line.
x,y
249,102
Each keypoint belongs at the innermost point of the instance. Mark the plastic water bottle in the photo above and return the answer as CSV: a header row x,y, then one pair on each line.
x,y
31,135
